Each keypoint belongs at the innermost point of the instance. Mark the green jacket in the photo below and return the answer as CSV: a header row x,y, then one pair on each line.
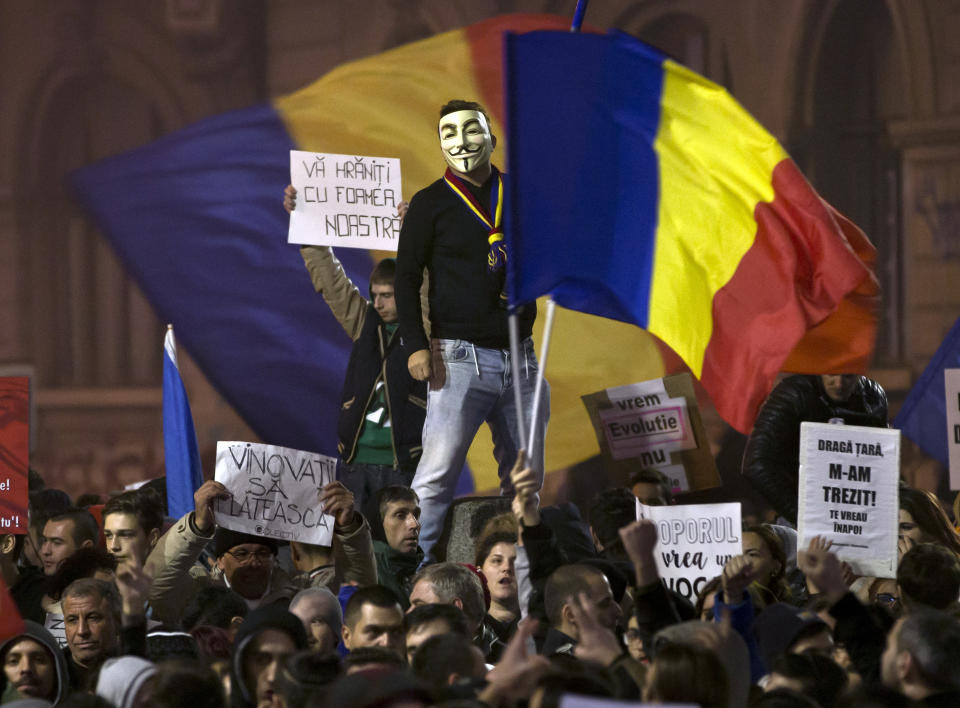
x,y
395,570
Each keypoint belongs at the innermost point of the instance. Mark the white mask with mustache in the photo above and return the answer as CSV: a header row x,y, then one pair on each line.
x,y
465,140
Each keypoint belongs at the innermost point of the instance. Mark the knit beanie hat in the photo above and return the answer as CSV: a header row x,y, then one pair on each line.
x,y
226,539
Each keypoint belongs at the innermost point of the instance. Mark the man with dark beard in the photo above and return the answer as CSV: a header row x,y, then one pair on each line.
x,y
33,666
264,640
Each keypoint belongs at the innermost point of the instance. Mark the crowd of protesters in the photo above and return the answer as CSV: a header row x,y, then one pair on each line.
x,y
123,607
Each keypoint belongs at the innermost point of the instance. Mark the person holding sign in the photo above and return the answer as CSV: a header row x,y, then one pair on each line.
x,y
245,563
454,229
382,408
772,456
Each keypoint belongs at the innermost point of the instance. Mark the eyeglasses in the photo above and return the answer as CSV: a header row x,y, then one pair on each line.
x,y
885,599
264,555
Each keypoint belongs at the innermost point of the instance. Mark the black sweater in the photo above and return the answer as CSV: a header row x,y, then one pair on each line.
x,y
441,234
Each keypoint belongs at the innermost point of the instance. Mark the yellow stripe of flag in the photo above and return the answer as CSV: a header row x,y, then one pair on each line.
x,y
701,241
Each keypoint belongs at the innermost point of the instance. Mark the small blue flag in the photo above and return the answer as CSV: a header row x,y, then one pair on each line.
x,y
923,417
184,475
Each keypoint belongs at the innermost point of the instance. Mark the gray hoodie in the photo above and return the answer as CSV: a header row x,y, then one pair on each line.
x,y
34,631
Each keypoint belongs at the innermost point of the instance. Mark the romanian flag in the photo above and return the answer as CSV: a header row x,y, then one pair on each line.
x,y
201,227
643,192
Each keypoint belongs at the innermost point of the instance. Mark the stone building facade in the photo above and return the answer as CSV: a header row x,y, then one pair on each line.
x,y
864,94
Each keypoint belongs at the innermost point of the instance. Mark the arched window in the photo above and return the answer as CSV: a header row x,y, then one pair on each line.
x,y
855,89
88,323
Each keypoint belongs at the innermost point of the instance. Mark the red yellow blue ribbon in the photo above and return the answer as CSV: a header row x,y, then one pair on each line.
x,y
497,256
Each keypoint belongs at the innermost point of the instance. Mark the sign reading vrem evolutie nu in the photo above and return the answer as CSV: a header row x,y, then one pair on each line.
x,y
644,419
653,424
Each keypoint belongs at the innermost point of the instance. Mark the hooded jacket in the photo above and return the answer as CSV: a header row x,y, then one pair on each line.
x,y
122,678
34,631
270,617
375,356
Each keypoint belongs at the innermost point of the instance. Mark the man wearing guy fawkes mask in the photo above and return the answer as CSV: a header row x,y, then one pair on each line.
x,y
454,229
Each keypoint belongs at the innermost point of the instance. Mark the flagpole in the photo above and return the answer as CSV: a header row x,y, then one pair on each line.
x,y
578,15
538,389
515,373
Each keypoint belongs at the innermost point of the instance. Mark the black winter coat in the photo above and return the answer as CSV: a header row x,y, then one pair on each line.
x,y
771,459
374,357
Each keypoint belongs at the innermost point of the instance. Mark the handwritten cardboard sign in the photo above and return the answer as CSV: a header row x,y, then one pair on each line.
x,y
643,418
694,542
274,491
654,424
849,493
951,385
14,452
348,201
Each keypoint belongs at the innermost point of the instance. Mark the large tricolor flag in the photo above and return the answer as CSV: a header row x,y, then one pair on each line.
x,y
184,474
645,193
202,230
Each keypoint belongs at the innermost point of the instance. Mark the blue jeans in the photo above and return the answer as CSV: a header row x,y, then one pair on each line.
x,y
478,388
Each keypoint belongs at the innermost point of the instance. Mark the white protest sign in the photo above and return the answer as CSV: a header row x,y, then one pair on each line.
x,y
849,494
274,491
694,542
53,623
951,385
645,422
349,201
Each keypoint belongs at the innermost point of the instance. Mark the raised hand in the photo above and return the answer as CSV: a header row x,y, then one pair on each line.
x,y
203,503
133,584
639,539
337,500
289,198
516,674
904,544
526,505
737,575
823,568
596,643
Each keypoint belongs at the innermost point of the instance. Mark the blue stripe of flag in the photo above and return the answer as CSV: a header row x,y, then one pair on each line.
x,y
923,416
583,111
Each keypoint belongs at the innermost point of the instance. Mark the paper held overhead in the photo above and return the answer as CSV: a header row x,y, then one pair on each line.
x,y
348,201
274,492
849,493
